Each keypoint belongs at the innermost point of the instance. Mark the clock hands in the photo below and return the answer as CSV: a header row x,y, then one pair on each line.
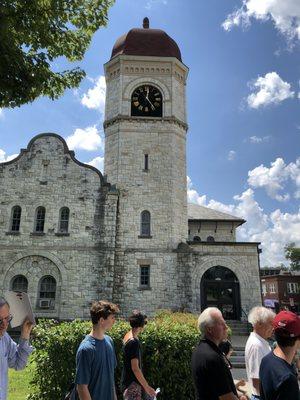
x,y
147,98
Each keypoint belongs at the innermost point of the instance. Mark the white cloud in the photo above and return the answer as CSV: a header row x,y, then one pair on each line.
x,y
269,89
285,15
258,139
273,230
95,97
231,155
86,139
192,194
97,162
274,178
152,3
5,158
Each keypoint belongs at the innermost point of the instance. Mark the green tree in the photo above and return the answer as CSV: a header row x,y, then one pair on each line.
x,y
292,253
33,33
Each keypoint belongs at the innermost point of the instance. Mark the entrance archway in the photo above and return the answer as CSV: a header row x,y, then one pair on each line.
x,y
220,288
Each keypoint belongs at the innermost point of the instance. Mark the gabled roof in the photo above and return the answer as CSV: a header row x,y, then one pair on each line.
x,y
201,213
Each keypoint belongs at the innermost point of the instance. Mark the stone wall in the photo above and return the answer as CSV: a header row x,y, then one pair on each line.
x,y
81,260
221,231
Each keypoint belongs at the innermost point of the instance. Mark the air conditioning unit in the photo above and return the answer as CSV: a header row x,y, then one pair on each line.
x,y
45,303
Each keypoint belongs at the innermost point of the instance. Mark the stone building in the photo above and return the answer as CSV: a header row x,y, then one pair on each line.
x,y
69,234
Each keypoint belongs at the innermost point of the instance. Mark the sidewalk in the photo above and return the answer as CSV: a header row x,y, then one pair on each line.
x,y
240,373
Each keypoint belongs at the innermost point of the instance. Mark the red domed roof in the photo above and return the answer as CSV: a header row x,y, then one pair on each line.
x,y
146,42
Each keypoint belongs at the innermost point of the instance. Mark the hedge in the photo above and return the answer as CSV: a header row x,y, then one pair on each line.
x,y
167,344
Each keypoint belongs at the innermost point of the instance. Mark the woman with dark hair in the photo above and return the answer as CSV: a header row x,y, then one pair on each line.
x,y
133,380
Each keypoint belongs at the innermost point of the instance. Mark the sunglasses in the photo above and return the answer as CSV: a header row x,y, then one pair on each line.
x,y
6,319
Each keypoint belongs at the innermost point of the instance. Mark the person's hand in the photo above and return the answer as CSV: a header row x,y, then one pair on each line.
x,y
149,390
26,329
241,382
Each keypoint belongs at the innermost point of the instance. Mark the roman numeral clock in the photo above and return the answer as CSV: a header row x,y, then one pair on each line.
x,y
146,101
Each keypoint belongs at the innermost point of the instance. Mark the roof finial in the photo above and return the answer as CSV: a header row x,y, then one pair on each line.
x,y
146,23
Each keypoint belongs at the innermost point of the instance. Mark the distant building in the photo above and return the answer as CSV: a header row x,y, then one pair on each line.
x,y
281,290
266,271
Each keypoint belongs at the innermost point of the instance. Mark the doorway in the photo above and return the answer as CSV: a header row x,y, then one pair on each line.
x,y
220,288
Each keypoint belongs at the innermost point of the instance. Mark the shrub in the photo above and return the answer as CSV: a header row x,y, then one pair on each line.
x,y
167,344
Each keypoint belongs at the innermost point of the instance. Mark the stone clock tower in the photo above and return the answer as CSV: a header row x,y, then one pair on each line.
x,y
145,157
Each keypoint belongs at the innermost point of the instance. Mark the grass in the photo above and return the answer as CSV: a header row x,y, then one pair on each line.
x,y
18,383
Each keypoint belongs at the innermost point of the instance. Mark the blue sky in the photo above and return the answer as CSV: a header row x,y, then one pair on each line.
x,y
242,101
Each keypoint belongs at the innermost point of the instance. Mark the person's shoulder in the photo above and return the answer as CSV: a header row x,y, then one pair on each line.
x,y
108,339
88,343
253,339
7,340
207,353
269,357
131,343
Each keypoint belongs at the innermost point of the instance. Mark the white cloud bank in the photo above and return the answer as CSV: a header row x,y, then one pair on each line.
x,y
97,162
269,89
273,230
274,178
285,15
88,139
95,97
5,158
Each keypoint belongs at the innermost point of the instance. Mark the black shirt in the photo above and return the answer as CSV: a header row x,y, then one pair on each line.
x,y
131,350
278,379
211,373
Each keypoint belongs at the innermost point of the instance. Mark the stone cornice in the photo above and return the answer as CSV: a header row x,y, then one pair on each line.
x,y
125,118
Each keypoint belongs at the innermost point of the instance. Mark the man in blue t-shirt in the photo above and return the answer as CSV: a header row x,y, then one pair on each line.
x,y
277,374
95,358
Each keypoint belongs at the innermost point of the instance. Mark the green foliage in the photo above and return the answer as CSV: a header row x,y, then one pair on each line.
x,y
167,344
33,33
292,253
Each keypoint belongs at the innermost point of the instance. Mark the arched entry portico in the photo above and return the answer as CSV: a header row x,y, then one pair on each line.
x,y
220,288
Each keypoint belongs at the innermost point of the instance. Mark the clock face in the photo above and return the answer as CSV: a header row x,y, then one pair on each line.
x,y
146,101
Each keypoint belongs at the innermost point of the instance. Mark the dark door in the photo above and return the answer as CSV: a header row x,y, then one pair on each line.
x,y
220,289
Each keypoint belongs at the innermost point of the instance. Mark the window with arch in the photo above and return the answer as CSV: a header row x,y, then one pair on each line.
x,y
146,101
19,283
64,216
40,219
47,292
145,224
15,219
210,239
196,239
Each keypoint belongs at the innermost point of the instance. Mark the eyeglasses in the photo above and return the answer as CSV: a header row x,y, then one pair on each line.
x,y
6,319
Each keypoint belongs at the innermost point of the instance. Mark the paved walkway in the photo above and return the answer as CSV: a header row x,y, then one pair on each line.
x,y
240,373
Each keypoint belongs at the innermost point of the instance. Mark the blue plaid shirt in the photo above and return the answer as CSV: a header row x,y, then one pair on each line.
x,y
11,356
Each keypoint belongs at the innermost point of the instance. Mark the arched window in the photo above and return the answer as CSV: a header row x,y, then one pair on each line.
x,y
47,292
210,239
64,220
196,239
219,273
40,219
15,219
145,223
19,284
